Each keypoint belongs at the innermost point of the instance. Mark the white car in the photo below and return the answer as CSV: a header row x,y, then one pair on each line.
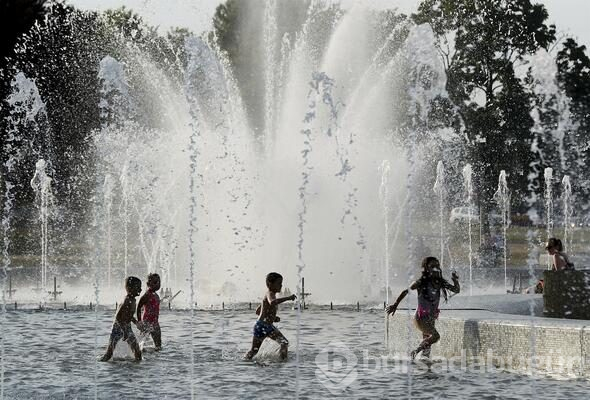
x,y
462,214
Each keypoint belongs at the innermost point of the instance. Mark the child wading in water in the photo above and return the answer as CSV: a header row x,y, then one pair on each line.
x,y
150,302
123,318
267,311
429,287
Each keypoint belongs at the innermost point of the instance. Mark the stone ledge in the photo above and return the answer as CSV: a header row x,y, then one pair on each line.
x,y
560,347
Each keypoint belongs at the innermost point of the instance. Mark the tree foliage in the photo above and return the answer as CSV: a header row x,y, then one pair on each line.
x,y
483,45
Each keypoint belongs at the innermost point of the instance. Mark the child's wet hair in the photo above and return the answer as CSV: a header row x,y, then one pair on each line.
x,y
153,276
436,279
273,277
554,243
132,281
426,262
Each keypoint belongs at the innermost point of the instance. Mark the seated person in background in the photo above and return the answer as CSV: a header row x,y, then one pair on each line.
x,y
559,259
537,289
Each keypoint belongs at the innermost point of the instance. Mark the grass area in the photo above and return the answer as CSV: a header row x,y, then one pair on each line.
x,y
521,241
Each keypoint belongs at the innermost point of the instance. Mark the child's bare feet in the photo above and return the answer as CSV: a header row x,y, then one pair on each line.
x,y
106,357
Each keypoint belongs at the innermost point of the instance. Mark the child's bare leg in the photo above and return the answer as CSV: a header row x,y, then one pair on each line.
x,y
256,343
157,336
278,337
110,349
426,351
135,347
430,338
429,334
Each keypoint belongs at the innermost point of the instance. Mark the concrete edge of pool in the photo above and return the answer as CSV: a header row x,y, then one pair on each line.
x,y
486,340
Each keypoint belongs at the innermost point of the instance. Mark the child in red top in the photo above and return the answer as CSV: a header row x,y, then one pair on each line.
x,y
150,302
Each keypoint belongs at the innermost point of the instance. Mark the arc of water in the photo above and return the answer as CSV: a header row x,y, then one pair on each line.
x,y
468,182
502,197
440,189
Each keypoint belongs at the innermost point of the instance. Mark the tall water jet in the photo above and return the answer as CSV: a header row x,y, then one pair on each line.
x,y
8,200
124,214
317,86
108,205
468,183
271,68
41,184
549,205
567,213
383,193
440,189
191,45
502,198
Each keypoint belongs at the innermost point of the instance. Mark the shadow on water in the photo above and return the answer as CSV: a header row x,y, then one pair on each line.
x,y
471,337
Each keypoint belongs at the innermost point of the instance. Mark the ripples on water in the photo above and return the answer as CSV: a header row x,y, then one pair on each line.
x,y
50,354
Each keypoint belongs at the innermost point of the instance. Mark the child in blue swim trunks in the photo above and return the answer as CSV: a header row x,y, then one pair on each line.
x,y
267,315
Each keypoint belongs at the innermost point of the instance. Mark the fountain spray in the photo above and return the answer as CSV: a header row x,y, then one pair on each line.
x,y
468,182
567,213
383,192
440,189
41,184
549,205
502,197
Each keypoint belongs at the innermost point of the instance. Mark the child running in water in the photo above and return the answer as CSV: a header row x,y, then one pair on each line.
x,y
429,287
267,311
150,302
123,318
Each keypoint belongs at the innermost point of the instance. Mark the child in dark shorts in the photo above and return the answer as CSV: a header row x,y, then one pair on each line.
x,y
123,318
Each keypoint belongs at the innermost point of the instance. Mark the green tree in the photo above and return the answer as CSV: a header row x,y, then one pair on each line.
x,y
481,44
573,75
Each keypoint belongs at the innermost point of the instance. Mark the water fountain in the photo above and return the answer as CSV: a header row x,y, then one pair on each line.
x,y
383,192
548,174
212,202
440,189
8,200
108,204
567,213
468,182
124,214
41,184
502,198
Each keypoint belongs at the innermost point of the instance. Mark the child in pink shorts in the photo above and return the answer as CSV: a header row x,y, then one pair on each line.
x,y
150,303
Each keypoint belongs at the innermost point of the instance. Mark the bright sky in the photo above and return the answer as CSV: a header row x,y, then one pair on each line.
x,y
570,16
